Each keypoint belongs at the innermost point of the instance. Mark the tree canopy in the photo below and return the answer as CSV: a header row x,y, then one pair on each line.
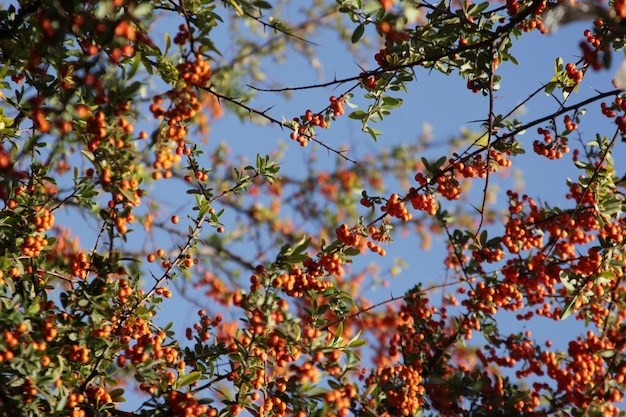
x,y
121,210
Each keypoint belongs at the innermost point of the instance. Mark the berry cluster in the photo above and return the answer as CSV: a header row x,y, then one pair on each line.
x,y
610,111
512,7
79,354
614,232
369,83
591,55
33,245
392,36
149,345
592,39
489,255
383,58
183,35
339,399
423,201
304,127
195,73
583,195
395,207
97,395
43,220
378,234
331,263
297,282
402,402
186,405
550,148
184,105
574,73
336,106
349,236
569,124
448,186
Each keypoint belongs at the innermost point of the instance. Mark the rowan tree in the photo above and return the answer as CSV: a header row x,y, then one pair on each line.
x,y
119,206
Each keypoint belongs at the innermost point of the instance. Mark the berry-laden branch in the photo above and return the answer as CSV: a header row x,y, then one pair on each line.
x,y
275,121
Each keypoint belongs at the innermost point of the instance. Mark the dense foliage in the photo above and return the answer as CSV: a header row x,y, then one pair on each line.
x,y
116,202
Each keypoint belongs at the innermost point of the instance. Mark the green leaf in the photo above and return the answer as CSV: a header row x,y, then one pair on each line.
x,y
297,258
357,115
135,65
357,343
568,309
558,65
549,88
476,9
351,251
117,395
168,43
358,33
371,7
374,133
34,307
339,330
566,282
608,275
262,4
302,245
127,194
142,9
607,353
392,102
189,379
236,7
316,391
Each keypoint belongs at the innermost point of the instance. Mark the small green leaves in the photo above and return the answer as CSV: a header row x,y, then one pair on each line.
x,y
376,112
293,255
264,167
267,168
